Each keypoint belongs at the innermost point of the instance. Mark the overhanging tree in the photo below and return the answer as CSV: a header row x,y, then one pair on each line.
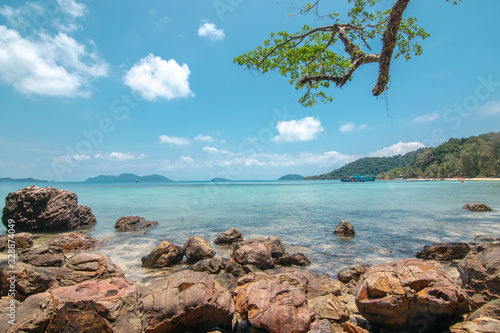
x,y
313,60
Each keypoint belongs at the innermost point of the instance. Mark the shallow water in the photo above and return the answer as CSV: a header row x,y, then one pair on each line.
x,y
392,219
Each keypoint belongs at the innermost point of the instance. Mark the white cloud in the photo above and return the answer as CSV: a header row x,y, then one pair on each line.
x,y
208,149
490,108
399,148
208,30
79,157
173,140
72,8
426,118
351,127
116,156
305,129
181,163
203,138
153,77
51,66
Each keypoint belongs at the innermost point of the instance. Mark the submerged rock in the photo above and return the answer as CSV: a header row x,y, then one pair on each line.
x,y
163,255
131,223
196,249
345,229
229,236
444,251
476,207
71,241
43,256
46,209
22,240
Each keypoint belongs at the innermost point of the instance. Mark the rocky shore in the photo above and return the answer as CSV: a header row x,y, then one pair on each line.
x,y
61,287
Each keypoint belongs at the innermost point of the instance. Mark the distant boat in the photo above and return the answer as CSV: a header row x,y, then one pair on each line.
x,y
137,180
358,179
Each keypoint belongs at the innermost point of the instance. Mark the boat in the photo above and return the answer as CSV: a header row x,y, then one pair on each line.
x,y
358,179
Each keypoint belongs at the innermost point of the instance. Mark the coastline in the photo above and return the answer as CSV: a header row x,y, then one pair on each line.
x,y
452,179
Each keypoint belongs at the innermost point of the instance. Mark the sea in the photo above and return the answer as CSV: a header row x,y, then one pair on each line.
x,y
392,219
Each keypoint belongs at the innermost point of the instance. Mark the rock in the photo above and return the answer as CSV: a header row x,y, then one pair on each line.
x,y
46,209
226,280
43,256
72,241
328,307
444,251
345,229
325,326
256,253
297,259
211,266
131,223
274,244
491,309
233,268
480,274
186,301
408,291
111,305
29,280
350,328
351,273
486,239
196,249
478,325
22,240
229,236
87,266
476,207
273,305
163,255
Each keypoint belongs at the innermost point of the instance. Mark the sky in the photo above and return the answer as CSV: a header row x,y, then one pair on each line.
x,y
107,87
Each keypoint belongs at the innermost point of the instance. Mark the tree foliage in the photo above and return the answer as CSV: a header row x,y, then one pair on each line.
x,y
314,58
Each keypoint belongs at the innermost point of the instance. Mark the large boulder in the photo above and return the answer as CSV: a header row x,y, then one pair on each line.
x,y
87,266
229,236
210,266
480,274
111,305
351,273
46,209
444,251
297,259
27,280
186,301
43,256
163,255
196,249
273,243
256,253
21,240
131,223
345,229
72,241
476,207
403,293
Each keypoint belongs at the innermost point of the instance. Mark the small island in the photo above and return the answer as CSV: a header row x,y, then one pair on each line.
x,y
220,180
22,180
127,178
292,177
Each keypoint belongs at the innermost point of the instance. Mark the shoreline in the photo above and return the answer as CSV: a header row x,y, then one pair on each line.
x,y
452,179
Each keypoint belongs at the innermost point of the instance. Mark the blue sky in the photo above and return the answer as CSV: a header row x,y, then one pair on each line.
x,y
90,88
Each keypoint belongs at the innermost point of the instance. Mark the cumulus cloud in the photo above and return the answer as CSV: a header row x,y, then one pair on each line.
x,y
305,129
399,148
80,157
71,7
351,127
173,140
50,66
426,118
203,138
490,108
153,78
117,156
208,30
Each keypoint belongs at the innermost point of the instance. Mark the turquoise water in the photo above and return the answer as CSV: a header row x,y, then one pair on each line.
x,y
392,219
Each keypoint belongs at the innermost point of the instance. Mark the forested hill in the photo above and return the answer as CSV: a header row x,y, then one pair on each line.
x,y
476,156
368,166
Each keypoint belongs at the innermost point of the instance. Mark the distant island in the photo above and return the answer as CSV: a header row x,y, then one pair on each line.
x,y
127,178
221,180
22,180
292,177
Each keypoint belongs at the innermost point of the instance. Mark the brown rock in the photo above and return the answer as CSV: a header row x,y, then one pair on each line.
x,y
256,253
43,256
22,240
345,229
46,209
444,251
480,274
196,249
491,309
351,273
274,245
478,325
111,305
28,280
186,301
328,307
297,259
325,326
408,291
476,207
210,266
229,236
163,255
87,266
233,268
131,223
350,328
72,241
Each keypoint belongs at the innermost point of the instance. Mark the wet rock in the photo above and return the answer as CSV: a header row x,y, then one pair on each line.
x,y
43,256
210,266
229,236
186,301
325,326
72,241
329,307
196,249
131,223
111,305
398,294
163,255
480,274
345,229
256,253
351,273
273,305
297,259
87,266
486,239
444,251
46,209
28,280
22,240
476,207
